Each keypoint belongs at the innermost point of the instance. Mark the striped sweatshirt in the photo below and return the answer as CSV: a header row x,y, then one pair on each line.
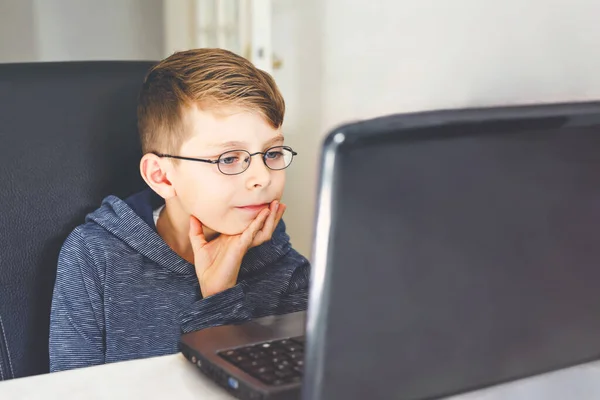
x,y
122,293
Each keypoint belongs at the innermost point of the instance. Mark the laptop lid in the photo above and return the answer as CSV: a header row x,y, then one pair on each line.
x,y
455,250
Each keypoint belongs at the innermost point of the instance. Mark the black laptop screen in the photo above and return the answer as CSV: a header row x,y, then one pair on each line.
x,y
460,260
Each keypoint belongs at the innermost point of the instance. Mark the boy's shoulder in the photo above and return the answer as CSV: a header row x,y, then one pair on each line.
x,y
98,248
96,227
89,235
100,233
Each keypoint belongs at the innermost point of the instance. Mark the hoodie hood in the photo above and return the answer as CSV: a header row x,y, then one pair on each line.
x,y
131,221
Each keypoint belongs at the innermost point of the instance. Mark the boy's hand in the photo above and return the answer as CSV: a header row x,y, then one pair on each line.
x,y
218,262
276,210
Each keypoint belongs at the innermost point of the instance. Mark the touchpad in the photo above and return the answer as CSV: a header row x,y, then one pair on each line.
x,y
287,325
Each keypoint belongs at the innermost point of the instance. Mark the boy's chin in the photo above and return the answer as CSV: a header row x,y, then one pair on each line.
x,y
234,225
232,230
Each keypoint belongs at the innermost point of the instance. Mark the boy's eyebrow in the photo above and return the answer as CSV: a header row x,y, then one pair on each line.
x,y
272,141
278,138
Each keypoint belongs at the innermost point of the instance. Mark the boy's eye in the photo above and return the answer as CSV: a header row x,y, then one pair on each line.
x,y
229,160
232,157
274,154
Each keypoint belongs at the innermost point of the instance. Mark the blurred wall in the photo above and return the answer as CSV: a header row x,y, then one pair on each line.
x,y
58,30
17,36
297,41
357,59
395,55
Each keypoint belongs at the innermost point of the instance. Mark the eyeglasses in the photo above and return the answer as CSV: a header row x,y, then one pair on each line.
x,y
235,162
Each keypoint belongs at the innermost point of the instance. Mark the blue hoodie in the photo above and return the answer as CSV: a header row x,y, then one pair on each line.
x,y
121,293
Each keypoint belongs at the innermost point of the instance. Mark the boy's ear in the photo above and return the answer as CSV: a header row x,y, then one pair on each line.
x,y
154,171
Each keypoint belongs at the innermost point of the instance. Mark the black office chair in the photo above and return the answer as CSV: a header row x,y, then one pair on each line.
x,y
68,138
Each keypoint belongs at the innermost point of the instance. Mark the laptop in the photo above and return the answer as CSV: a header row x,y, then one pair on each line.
x,y
454,251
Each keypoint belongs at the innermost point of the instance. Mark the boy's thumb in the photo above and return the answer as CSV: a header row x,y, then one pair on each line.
x,y
196,233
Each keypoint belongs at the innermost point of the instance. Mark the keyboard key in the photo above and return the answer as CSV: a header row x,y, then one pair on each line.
x,y
239,359
274,363
264,370
284,374
231,354
274,351
252,365
291,347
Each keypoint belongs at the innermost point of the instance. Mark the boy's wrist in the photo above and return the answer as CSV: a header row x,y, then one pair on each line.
x,y
209,290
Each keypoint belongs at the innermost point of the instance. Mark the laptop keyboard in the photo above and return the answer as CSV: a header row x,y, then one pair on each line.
x,y
278,362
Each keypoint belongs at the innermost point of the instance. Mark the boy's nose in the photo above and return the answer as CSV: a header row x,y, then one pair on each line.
x,y
258,174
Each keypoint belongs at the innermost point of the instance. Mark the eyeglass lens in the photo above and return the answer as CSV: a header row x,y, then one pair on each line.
x,y
237,161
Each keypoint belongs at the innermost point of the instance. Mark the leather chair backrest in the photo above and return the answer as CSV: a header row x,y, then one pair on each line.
x,y
68,138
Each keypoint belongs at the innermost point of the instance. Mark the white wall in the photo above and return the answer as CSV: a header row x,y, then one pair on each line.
x,y
395,55
178,26
57,30
17,33
389,56
299,79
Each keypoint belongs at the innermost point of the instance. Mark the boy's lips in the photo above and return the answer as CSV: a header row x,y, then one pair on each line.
x,y
254,207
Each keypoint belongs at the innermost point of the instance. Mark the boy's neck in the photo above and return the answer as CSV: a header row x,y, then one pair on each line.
x,y
173,226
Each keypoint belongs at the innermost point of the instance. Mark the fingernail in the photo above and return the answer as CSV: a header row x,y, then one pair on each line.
x,y
276,206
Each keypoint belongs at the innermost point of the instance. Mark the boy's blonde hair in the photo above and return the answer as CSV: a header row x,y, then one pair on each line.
x,y
209,79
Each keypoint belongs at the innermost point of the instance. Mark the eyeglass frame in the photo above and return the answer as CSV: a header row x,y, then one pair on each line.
x,y
250,155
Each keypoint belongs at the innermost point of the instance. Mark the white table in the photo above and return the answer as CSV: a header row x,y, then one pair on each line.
x,y
581,382
173,377
168,377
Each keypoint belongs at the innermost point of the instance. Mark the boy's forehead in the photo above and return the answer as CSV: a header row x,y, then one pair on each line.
x,y
218,127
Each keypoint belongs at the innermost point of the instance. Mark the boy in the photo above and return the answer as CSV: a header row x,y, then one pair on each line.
x,y
205,244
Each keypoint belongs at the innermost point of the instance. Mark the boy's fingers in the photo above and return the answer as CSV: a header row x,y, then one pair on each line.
x,y
266,233
280,211
270,223
196,234
250,232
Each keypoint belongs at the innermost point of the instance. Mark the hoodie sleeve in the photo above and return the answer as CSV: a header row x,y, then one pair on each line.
x,y
280,289
76,328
